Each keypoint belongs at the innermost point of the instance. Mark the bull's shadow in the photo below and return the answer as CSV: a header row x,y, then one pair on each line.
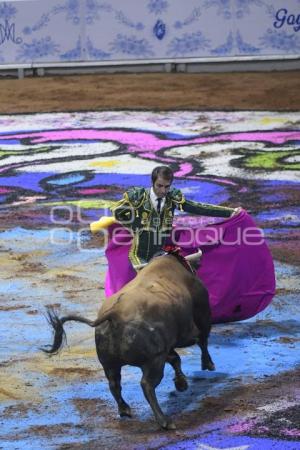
x,y
235,348
201,385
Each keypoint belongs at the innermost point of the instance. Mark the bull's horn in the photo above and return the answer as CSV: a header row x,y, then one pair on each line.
x,y
139,266
194,256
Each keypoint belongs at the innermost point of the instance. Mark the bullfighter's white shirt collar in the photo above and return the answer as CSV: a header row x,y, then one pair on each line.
x,y
153,198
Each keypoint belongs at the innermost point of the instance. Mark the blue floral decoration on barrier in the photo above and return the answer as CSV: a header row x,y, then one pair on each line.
x,y
226,48
244,47
76,53
93,10
7,11
158,6
243,7
223,7
159,29
187,44
193,17
121,18
44,20
94,52
71,8
281,40
73,54
37,49
232,43
130,45
238,9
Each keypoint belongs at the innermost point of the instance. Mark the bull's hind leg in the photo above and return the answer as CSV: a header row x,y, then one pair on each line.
x,y
152,375
113,375
180,379
203,323
207,362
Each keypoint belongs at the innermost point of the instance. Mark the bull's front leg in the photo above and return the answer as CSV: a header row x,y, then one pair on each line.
x,y
180,379
152,375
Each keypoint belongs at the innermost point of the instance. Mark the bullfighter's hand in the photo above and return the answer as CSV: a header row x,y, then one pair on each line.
x,y
236,211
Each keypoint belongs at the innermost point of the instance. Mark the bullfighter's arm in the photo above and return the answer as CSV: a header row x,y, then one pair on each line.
x,y
206,209
123,211
126,210
202,209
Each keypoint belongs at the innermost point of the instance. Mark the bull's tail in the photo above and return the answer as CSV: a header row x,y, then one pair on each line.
x,y
59,332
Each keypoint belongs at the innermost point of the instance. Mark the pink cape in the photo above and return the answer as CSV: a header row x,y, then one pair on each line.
x,y
236,266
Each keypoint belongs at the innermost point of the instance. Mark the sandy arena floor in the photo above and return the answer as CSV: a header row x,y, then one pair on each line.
x,y
259,91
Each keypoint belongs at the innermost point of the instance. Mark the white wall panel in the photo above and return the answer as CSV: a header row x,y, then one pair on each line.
x,y
117,30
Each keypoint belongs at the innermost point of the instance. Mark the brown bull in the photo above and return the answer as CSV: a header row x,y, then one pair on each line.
x,y
164,307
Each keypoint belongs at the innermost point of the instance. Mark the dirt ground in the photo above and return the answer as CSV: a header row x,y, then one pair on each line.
x,y
276,91
257,90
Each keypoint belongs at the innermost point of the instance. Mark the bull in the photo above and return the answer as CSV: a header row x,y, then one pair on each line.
x,y
164,307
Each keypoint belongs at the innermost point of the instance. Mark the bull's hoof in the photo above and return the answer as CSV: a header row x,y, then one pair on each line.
x,y
181,383
167,424
125,411
209,365
171,426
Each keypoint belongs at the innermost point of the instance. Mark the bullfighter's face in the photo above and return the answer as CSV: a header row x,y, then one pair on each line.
x,y
161,187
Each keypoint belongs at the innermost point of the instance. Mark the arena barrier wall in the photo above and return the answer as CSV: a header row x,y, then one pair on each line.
x,y
40,33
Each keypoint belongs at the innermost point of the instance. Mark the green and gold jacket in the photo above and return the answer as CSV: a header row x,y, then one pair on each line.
x,y
150,230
